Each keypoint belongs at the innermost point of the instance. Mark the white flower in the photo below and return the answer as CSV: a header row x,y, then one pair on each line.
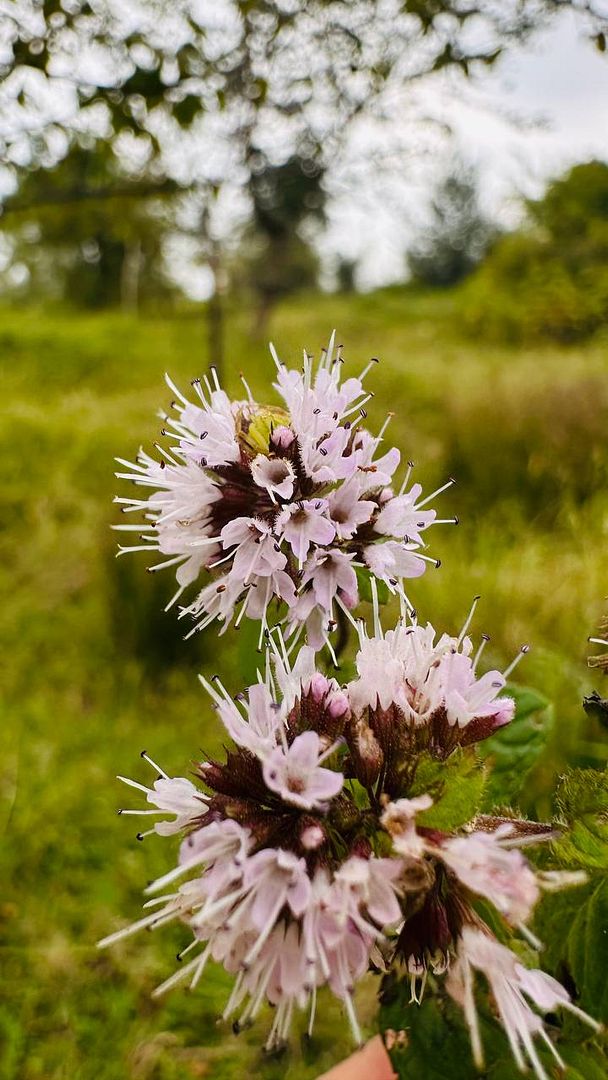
x,y
370,883
304,523
488,868
171,795
331,459
257,730
329,577
393,560
178,514
466,697
380,673
256,549
374,472
221,846
216,601
175,796
296,775
430,682
275,878
400,517
294,679
510,984
275,586
399,820
276,475
318,411
279,974
207,431
330,573
347,509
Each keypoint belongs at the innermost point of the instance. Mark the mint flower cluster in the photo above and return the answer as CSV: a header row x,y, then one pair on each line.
x,y
310,853
267,506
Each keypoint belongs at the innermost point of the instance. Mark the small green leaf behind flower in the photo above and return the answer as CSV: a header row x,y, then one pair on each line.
x,y
517,748
365,588
573,923
456,786
582,804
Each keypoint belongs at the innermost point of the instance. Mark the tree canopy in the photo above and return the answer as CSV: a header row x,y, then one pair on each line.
x,y
293,70
549,278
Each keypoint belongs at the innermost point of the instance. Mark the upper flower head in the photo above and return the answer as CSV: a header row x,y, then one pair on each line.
x,y
280,503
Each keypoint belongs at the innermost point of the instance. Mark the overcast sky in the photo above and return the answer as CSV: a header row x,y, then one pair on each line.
x,y
556,92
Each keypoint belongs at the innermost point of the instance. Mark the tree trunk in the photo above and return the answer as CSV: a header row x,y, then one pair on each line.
x,y
129,277
215,315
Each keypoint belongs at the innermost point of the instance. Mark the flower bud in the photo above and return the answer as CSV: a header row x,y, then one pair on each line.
x,y
312,835
361,848
319,687
338,705
282,437
366,753
345,814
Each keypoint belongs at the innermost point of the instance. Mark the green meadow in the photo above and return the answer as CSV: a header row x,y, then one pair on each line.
x,y
94,671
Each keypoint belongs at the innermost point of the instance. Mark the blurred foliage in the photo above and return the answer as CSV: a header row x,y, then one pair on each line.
x,y
263,56
457,236
550,279
88,234
346,276
91,668
269,82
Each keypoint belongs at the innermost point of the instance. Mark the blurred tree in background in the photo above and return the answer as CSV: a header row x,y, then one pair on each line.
x,y
225,97
550,278
86,234
277,257
457,236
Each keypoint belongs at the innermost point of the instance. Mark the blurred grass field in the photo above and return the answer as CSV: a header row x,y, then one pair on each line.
x,y
93,671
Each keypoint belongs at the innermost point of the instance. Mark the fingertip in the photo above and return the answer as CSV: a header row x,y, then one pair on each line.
x,y
371,1062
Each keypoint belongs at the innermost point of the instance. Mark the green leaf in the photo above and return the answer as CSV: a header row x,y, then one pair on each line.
x,y
584,1062
456,785
573,924
527,700
582,802
516,749
437,1046
365,589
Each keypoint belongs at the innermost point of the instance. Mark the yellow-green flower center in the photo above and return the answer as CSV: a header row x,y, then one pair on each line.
x,y
255,424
